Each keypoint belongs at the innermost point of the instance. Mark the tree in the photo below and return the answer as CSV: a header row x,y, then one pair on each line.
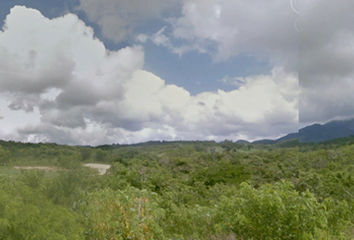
x,y
5,156
85,154
128,214
100,156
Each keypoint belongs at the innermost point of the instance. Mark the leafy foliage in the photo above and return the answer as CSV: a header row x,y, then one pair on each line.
x,y
179,190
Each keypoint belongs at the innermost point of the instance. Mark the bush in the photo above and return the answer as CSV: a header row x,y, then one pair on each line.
x,y
279,212
127,214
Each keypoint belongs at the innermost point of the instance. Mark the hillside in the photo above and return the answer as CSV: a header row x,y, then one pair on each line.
x,y
178,190
317,132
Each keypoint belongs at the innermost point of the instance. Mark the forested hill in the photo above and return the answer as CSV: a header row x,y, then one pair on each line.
x,y
178,190
318,133
328,131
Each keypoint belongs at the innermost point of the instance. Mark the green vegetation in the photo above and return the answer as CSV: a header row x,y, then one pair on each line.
x,y
179,190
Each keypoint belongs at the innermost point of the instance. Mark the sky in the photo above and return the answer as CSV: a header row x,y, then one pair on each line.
x,y
326,73
85,72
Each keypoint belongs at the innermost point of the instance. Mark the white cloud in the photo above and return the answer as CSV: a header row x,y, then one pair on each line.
x,y
160,39
80,93
236,81
12,120
263,101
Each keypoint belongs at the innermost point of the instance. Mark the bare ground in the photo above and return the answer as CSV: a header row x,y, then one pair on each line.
x,y
102,168
37,167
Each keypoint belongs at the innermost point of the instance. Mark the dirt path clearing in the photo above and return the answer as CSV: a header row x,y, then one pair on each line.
x,y
102,168
36,167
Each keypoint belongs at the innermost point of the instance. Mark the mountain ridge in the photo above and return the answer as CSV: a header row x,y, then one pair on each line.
x,y
316,133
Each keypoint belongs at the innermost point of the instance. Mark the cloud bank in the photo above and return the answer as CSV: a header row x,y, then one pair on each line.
x,y
326,60
82,93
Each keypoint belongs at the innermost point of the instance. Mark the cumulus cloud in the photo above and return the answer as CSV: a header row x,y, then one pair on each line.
x,y
326,57
78,92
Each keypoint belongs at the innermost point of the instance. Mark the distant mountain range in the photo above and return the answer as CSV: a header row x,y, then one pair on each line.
x,y
311,134
318,132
